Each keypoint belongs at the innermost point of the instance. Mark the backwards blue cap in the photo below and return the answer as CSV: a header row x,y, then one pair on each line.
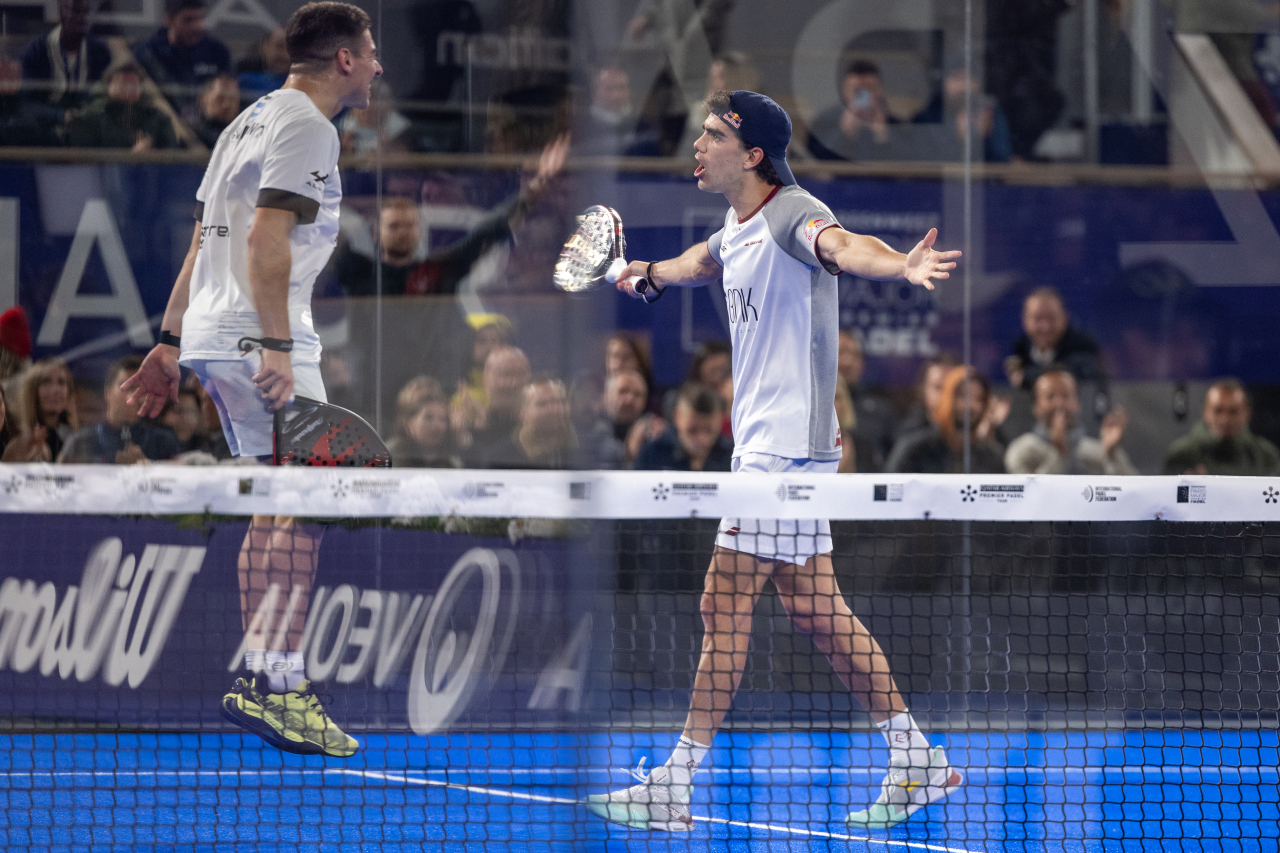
x,y
762,124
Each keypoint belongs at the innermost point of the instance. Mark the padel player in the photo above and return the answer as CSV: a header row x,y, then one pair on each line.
x,y
266,223
779,253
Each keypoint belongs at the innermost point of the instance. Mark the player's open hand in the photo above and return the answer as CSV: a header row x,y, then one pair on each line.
x,y
275,379
553,157
155,383
924,264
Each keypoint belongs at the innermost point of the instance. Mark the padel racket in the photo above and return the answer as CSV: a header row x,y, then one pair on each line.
x,y
595,253
315,434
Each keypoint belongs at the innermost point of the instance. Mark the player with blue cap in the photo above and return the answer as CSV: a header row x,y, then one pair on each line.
x,y
779,254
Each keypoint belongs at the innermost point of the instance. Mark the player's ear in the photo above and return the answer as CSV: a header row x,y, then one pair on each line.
x,y
754,157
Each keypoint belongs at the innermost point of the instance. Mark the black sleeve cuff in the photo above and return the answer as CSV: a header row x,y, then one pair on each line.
x,y
199,214
306,208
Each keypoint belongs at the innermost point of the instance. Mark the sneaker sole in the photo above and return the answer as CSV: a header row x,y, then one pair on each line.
x,y
257,726
620,814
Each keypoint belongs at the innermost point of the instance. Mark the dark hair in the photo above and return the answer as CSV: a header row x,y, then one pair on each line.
x,y
862,67
173,7
1053,370
318,30
705,351
128,364
1045,293
207,85
1229,384
701,398
645,369
718,104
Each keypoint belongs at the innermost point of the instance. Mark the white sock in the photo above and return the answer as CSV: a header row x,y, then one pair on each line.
x,y
255,660
905,738
284,671
685,760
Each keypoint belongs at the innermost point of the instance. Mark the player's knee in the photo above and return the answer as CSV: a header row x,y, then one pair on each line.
x,y
800,609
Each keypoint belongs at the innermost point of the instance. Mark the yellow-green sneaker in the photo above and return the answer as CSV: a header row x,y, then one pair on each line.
x,y
306,719
253,710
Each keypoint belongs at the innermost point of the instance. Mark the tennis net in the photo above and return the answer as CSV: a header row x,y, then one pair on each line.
x,y
1099,657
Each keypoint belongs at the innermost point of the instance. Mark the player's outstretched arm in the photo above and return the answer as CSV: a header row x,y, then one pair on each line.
x,y
270,262
156,382
694,268
870,258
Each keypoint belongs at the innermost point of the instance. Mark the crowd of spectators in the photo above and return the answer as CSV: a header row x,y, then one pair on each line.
x,y
181,84
503,412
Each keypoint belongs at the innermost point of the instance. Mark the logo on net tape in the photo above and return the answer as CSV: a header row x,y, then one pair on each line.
x,y
1270,495
690,492
998,493
891,492
1193,494
786,492
579,491
474,490
1101,494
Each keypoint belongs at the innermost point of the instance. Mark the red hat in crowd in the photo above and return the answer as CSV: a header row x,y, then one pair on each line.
x,y
15,334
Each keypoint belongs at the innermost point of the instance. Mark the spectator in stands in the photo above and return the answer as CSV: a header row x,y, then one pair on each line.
x,y
599,448
480,429
857,129
693,442
182,55
545,436
1222,442
378,125
212,439
267,69
1021,62
1048,338
990,125
626,352
626,395
182,417
421,438
122,118
49,403
1058,445
22,121
939,447
122,438
399,238
712,363
491,331
873,415
219,105
728,72
610,125
15,444
61,67
440,273
15,350
928,394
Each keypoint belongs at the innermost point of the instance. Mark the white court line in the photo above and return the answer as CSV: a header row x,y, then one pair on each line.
x,y
520,795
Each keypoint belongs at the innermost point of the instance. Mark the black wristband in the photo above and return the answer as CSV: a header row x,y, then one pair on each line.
x,y
653,288
276,344
170,339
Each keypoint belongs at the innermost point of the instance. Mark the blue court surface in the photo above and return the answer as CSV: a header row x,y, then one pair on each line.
x,y
1128,791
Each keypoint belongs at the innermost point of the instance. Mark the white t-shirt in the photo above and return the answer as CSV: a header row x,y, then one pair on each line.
x,y
783,313
279,153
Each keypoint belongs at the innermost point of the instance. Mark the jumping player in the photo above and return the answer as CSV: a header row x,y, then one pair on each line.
x,y
779,253
266,223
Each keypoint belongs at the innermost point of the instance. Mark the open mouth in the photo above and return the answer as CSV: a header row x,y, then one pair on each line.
x,y
697,173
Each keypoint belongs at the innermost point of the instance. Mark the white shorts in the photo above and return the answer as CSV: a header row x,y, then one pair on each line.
x,y
246,422
787,540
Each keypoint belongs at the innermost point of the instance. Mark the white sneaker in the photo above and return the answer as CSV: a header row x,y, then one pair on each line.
x,y
907,790
653,804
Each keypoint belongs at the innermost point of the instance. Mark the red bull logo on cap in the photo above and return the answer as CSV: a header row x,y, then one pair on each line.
x,y
733,119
